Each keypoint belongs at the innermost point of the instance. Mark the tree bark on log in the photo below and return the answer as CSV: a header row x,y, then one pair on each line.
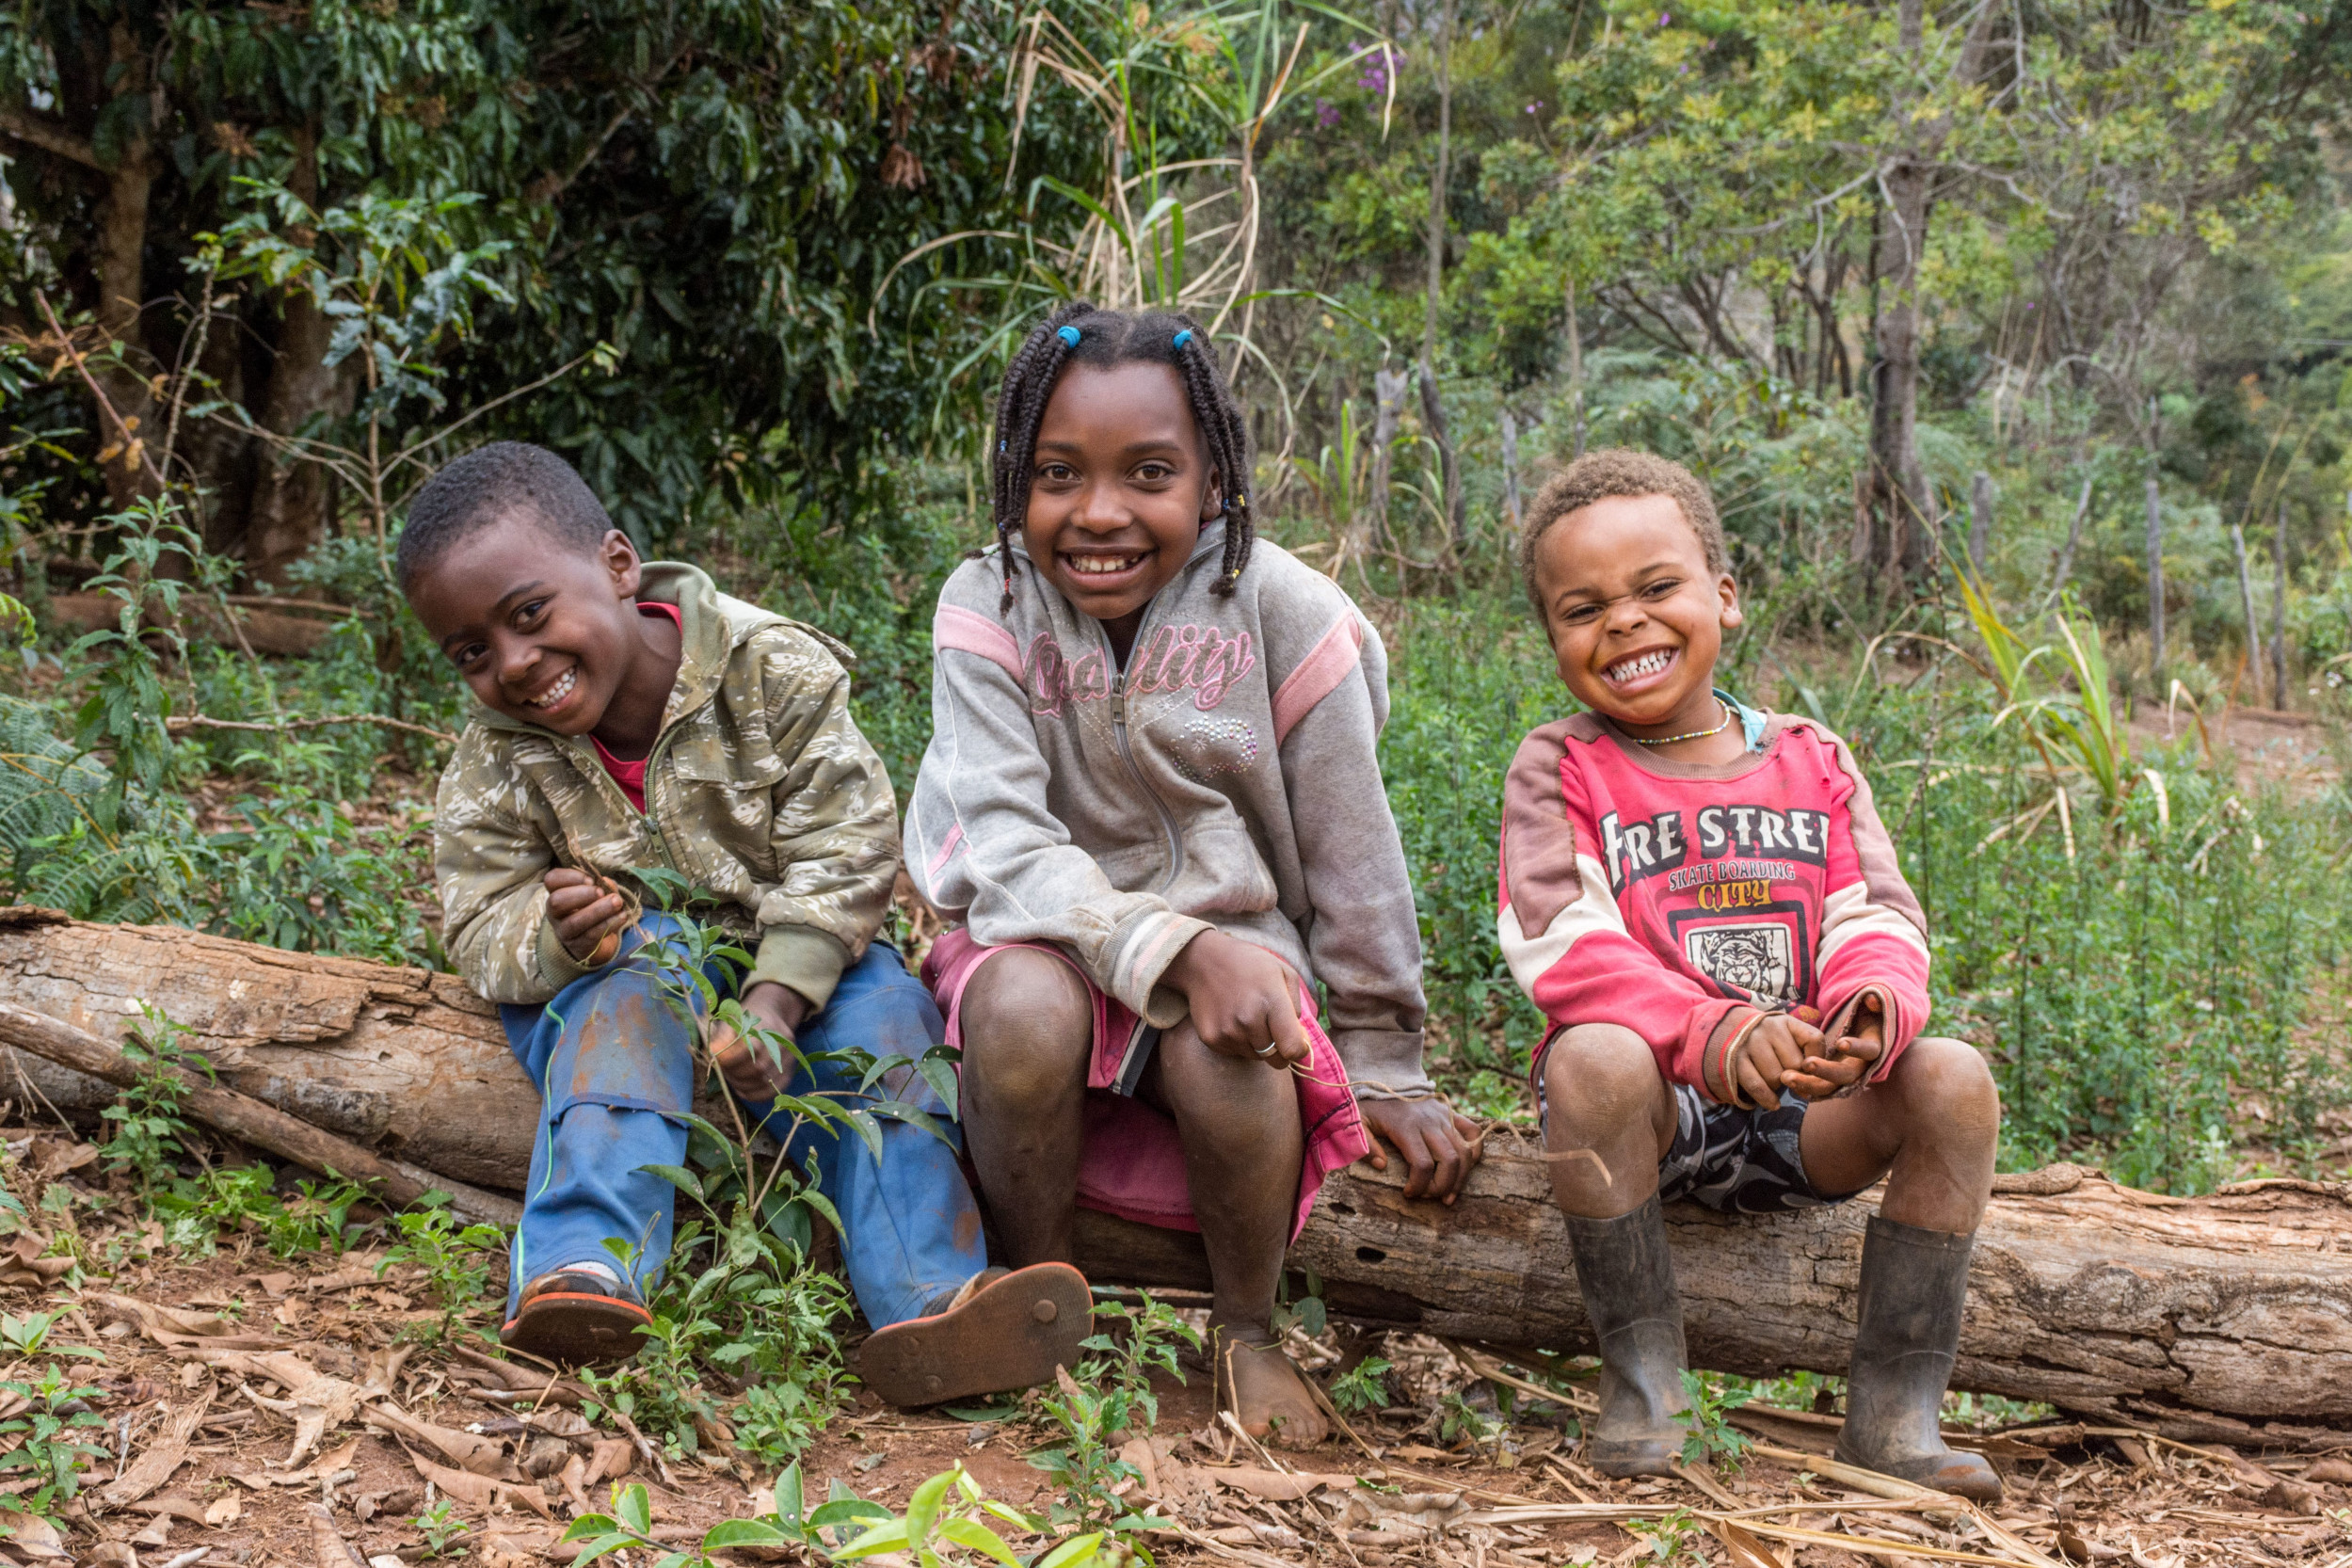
x,y
266,1126
2223,1318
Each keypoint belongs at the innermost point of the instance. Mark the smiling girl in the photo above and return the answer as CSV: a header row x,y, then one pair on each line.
x,y
1152,803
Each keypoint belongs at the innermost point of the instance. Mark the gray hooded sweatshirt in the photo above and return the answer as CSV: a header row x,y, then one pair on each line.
x,y
1225,777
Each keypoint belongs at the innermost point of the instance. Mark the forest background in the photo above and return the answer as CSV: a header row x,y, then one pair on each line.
x,y
2010,334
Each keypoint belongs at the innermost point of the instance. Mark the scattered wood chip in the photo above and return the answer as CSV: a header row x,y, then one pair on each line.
x,y
225,1510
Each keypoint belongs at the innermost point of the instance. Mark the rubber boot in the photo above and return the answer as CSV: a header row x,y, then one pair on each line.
x,y
1915,1283
1627,1278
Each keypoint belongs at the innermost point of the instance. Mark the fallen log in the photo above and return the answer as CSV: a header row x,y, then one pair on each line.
x,y
266,1126
2226,1318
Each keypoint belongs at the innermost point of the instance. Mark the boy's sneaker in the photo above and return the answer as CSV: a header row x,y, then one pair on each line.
x,y
576,1317
1002,1331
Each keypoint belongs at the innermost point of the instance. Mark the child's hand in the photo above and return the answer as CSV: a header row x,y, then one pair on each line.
x,y
1245,1001
778,1009
1783,1051
1438,1145
588,912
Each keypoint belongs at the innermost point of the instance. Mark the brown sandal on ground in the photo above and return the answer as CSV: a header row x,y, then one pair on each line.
x,y
576,1320
1001,1332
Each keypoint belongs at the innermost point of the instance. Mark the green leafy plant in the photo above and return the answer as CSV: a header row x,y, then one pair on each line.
x,y
1672,1540
146,1116
1712,1438
1109,1393
439,1525
28,1336
45,1434
1364,1385
456,1258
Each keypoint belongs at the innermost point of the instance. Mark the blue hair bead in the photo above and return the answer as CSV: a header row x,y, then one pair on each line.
x,y
1068,336
1184,337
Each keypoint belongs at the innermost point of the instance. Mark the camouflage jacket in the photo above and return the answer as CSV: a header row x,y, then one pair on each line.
x,y
759,789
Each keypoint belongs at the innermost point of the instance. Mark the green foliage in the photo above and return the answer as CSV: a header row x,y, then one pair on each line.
x,y
1364,1385
45,1449
28,1336
1672,1540
148,1124
456,1258
1713,1440
1110,1392
944,1527
440,1526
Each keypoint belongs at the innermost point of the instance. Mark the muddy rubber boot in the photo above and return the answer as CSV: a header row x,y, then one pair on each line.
x,y
1627,1278
1915,1283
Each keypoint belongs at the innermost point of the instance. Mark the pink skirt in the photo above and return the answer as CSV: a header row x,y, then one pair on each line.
x,y
1133,1163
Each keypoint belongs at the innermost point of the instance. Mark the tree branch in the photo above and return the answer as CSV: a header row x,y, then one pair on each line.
x,y
50,137
201,721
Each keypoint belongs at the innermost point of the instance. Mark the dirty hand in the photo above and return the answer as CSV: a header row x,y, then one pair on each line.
x,y
778,1009
1242,1000
588,912
1438,1145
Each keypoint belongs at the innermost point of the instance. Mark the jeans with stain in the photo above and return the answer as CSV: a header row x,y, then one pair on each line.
x,y
613,1055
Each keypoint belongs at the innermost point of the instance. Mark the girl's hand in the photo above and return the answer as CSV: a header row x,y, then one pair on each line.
x,y
1242,1000
1438,1145
588,913
778,1009
1776,1054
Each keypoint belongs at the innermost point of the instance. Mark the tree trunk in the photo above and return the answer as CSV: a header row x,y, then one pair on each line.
x,y
1898,485
1511,470
1980,521
1576,375
1388,388
403,1061
2155,588
2279,614
2246,601
289,510
1448,462
2064,566
2222,1317
2225,1318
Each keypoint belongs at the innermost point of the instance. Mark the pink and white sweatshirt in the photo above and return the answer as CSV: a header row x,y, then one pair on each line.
x,y
1674,899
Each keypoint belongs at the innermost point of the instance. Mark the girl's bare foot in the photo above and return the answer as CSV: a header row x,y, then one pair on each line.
x,y
1264,1388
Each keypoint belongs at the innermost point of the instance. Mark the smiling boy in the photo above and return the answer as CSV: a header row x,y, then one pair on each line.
x,y
630,716
1690,888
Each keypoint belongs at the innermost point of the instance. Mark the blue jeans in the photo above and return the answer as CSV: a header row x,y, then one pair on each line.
x,y
613,1056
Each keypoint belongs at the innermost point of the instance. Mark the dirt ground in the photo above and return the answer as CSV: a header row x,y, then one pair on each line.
x,y
259,1412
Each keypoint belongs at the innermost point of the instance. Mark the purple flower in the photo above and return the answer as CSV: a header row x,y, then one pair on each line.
x,y
1665,17
1375,77
1534,107
1326,113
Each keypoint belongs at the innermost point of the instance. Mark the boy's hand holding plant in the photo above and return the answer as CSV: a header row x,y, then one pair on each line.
x,y
780,1010
590,912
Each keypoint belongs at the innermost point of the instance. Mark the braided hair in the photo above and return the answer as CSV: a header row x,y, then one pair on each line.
x,y
1081,334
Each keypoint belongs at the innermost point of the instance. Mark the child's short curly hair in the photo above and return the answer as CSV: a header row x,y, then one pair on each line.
x,y
1617,471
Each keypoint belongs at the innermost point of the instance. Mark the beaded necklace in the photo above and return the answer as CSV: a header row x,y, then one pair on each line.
x,y
1694,735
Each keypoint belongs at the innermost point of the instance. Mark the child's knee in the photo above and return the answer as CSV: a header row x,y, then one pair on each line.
x,y
1949,1091
1027,1024
1600,1076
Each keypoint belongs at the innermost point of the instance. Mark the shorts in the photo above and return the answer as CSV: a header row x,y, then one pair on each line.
x,y
1729,1159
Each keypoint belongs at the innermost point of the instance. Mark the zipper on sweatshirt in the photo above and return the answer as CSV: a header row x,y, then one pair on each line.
x,y
1118,736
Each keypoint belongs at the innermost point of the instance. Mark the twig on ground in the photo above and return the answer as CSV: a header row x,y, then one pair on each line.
x,y
179,722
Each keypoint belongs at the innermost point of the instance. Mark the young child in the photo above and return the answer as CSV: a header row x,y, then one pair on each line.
x,y
1688,888
1151,797
632,716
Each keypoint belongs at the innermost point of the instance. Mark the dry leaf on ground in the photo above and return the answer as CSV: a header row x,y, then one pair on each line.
x,y
480,1491
163,1454
483,1456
